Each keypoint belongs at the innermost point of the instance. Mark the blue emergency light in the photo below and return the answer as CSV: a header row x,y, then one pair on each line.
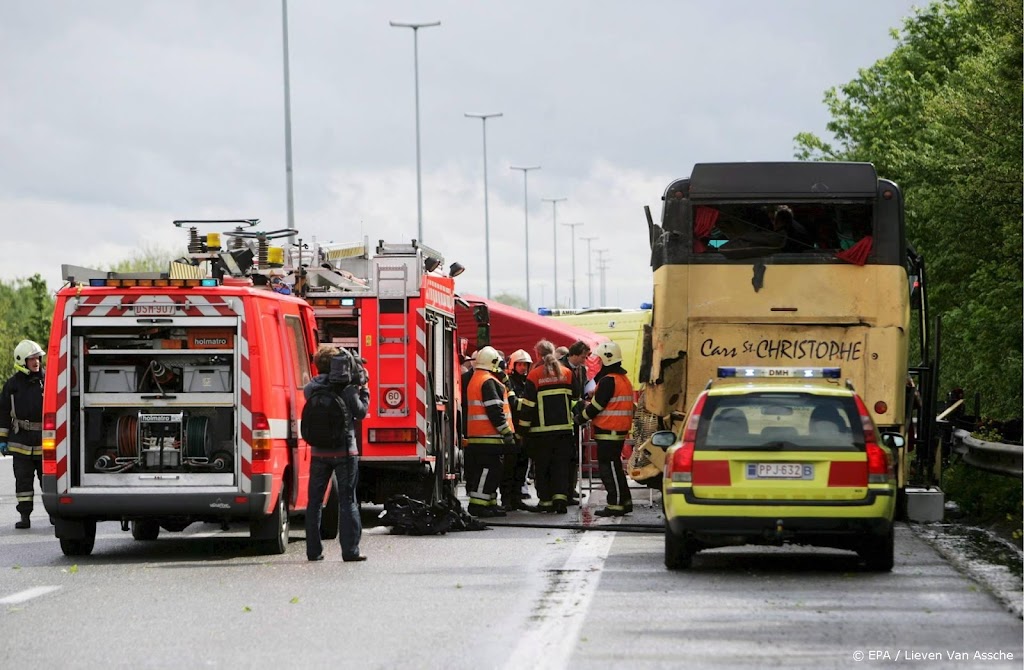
x,y
779,373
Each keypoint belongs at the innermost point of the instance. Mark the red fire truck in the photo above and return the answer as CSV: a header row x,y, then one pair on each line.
x,y
397,307
175,397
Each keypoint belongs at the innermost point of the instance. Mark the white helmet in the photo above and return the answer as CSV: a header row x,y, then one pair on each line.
x,y
519,356
25,350
488,359
609,352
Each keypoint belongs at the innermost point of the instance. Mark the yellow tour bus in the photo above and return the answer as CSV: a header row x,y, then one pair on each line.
x,y
791,264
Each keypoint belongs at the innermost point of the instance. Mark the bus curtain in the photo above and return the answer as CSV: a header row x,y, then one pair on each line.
x,y
858,253
702,225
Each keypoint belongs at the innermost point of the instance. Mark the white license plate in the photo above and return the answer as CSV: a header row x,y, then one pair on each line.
x,y
780,471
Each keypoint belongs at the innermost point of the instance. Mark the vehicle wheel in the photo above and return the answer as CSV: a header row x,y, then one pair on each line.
x,y
678,554
329,514
879,552
80,546
145,530
277,523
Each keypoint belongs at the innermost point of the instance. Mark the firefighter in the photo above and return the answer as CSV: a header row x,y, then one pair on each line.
x,y
21,427
489,433
575,358
547,420
611,413
513,483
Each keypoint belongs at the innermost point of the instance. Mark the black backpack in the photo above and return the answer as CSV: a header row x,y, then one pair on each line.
x,y
326,420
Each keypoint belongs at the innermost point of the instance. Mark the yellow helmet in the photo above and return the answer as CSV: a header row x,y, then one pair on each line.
x,y
609,352
487,359
519,356
25,350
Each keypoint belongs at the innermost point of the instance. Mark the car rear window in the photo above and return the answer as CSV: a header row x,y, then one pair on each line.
x,y
795,421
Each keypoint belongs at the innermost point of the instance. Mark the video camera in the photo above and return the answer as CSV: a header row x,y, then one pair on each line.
x,y
347,368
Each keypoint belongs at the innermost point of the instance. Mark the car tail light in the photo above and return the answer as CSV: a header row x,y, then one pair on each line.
x,y
49,443
878,458
679,468
261,442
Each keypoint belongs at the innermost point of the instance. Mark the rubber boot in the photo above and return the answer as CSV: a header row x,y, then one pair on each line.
x,y
24,523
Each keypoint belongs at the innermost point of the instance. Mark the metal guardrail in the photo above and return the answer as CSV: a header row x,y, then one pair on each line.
x,y
996,457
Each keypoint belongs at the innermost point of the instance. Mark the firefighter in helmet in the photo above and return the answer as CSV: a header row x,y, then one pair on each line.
x,y
547,420
489,433
513,484
21,429
611,414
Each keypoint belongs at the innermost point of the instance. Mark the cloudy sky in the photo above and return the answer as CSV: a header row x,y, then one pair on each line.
x,y
118,116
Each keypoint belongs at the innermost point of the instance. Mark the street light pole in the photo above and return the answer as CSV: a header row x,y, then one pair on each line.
x,y
590,273
526,221
572,236
602,265
288,125
487,221
416,76
554,217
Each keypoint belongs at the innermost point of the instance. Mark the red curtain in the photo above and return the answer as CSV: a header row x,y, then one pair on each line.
x,y
702,225
858,253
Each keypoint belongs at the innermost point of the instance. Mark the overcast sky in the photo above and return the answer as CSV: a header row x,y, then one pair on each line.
x,y
118,116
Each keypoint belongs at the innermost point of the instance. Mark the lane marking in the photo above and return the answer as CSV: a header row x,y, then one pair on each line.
x,y
27,594
549,643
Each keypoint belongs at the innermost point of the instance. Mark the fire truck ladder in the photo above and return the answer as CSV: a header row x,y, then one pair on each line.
x,y
391,284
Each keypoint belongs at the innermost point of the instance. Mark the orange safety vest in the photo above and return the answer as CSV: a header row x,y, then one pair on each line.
x,y
479,428
617,415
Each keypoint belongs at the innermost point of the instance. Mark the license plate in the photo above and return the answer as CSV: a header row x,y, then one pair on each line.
x,y
780,471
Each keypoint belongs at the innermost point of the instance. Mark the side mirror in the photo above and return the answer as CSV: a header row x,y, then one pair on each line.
x,y
663,439
894,440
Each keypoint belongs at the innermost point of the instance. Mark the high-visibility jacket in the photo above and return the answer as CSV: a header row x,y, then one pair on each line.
x,y
546,405
488,417
611,410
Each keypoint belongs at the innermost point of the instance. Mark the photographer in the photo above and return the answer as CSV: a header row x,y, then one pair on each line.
x,y
335,400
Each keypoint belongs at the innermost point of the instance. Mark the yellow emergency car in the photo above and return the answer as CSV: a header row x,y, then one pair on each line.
x,y
772,456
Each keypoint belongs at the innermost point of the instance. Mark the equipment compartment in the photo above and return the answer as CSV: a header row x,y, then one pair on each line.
x,y
113,379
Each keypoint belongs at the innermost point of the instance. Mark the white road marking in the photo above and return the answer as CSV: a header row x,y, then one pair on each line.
x,y
550,643
27,594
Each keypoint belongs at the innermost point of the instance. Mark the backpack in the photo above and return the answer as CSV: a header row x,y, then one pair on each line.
x,y
326,420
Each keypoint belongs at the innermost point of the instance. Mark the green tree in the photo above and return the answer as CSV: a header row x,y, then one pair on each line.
x,y
512,300
26,309
942,116
148,259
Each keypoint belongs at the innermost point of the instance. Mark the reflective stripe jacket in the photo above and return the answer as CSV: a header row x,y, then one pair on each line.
x,y
611,410
546,405
21,413
488,417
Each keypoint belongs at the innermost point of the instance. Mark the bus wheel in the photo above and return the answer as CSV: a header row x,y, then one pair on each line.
x,y
80,546
145,530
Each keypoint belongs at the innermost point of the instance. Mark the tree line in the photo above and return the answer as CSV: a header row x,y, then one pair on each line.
x,y
942,117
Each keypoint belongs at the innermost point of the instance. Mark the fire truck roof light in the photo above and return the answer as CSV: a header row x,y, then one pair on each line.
x,y
209,282
97,282
783,373
348,302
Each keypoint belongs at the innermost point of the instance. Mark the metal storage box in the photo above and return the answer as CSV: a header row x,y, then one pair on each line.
x,y
925,505
206,379
113,379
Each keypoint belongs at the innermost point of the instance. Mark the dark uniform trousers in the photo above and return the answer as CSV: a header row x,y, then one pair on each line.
x,y
552,463
613,476
484,470
26,467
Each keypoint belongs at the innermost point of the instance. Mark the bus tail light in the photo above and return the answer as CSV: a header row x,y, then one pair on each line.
x,y
49,443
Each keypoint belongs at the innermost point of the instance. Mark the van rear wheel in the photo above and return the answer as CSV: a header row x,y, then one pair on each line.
x,y
272,531
145,530
80,546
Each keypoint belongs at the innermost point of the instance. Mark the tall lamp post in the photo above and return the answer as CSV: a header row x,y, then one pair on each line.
x,y
602,265
287,125
526,221
590,273
416,76
572,236
487,222
554,217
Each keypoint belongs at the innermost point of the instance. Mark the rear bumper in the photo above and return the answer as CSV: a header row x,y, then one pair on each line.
x,y
111,504
776,528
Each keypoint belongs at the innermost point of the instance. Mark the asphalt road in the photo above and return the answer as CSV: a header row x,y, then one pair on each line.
x,y
507,597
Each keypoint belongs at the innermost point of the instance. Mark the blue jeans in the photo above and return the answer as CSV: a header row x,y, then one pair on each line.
x,y
350,528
